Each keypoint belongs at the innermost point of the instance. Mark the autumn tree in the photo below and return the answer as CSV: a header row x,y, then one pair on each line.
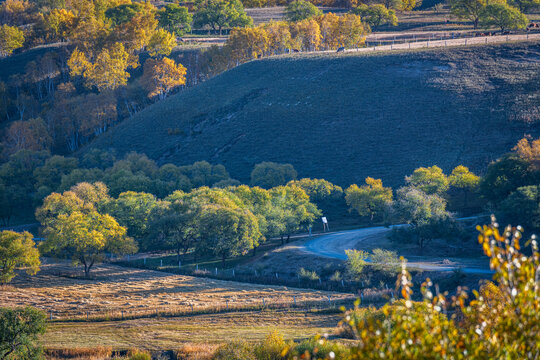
x,y
11,38
219,14
107,71
408,5
17,250
369,200
248,43
278,36
306,34
176,19
504,16
468,9
161,43
430,180
60,23
86,237
299,10
464,181
15,12
269,174
162,76
530,152
376,15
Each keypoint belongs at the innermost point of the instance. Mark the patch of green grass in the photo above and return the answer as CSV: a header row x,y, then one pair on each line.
x,y
346,117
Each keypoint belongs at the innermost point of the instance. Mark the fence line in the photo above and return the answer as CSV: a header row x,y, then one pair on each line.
x,y
228,306
440,41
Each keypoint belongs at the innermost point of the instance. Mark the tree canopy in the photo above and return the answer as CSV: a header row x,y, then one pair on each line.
x,y
17,250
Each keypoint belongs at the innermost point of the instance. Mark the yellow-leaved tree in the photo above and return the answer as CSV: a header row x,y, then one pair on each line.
x,y
161,76
11,38
161,43
75,229
17,250
107,71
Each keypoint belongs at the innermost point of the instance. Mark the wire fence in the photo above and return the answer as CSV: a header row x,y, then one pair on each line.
x,y
441,40
226,306
275,278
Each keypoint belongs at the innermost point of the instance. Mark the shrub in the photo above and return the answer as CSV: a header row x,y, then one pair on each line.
x,y
236,350
356,260
385,260
273,347
336,276
319,348
308,275
139,355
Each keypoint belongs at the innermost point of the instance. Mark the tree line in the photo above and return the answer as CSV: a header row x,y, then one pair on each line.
x,y
87,220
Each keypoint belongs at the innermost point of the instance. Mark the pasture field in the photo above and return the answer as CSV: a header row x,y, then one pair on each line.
x,y
172,333
116,292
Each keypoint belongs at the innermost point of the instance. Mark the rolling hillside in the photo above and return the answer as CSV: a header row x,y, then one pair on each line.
x,y
345,117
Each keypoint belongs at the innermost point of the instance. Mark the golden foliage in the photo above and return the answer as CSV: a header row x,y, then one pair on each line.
x,y
160,77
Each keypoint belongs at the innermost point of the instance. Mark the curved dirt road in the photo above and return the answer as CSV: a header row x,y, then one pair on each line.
x,y
333,245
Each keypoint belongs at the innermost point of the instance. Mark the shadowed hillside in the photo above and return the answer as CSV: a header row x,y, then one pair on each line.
x,y
346,117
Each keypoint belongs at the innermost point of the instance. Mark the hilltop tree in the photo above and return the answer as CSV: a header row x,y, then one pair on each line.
x,y
86,237
176,19
369,200
299,10
20,329
270,174
430,180
162,76
376,15
306,34
17,250
11,38
248,43
504,16
279,36
219,14
468,9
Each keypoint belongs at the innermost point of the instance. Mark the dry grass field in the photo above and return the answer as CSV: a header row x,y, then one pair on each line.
x,y
173,333
137,292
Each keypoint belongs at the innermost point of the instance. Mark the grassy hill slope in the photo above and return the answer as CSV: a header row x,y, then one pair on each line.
x,y
345,117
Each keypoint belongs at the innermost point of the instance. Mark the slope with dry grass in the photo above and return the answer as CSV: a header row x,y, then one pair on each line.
x,y
346,117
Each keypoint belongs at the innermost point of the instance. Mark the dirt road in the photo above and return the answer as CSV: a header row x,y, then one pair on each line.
x,y
334,245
